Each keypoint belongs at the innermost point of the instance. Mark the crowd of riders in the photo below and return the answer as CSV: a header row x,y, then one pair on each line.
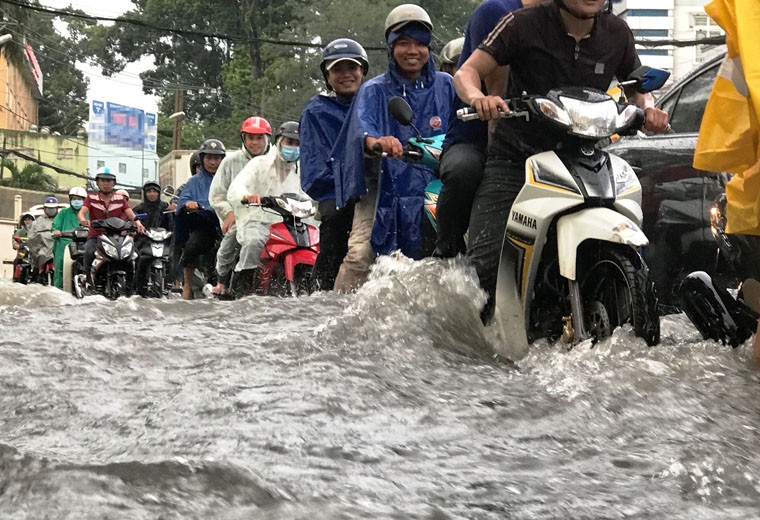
x,y
345,153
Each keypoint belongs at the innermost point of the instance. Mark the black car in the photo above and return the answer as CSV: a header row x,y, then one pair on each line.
x,y
676,197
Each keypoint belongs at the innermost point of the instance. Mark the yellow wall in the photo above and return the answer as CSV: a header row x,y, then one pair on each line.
x,y
66,152
18,105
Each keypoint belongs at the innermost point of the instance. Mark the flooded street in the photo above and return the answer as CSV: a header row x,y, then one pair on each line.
x,y
391,403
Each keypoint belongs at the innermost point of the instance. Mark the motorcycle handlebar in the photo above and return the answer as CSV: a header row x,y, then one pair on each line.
x,y
470,114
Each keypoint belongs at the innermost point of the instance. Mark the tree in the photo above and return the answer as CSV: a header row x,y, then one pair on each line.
x,y
63,107
31,177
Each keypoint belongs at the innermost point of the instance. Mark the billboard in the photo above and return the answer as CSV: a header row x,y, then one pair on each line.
x,y
123,126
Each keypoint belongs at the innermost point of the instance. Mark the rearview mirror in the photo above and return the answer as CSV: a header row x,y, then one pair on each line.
x,y
648,79
168,190
400,110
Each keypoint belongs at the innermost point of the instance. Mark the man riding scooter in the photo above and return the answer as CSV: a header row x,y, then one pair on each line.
x,y
271,174
40,239
194,213
156,216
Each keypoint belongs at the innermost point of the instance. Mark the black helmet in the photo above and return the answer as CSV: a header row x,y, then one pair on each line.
x,y
195,160
287,129
343,49
151,184
212,147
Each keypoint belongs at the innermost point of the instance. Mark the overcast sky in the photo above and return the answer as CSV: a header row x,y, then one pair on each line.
x,y
124,88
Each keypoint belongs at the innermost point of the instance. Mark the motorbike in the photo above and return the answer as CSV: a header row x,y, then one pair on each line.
x,y
114,265
703,296
288,257
154,256
74,276
571,265
423,151
22,265
683,239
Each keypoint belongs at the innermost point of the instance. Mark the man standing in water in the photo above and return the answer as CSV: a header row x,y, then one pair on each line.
x,y
344,66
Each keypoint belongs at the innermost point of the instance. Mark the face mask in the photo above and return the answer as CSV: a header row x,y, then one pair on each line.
x,y
50,212
77,204
27,226
291,153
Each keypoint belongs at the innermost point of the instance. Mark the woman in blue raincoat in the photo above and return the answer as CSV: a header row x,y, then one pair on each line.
x,y
389,211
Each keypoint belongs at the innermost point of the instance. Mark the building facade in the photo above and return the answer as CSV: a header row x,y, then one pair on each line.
x,y
20,91
67,153
670,20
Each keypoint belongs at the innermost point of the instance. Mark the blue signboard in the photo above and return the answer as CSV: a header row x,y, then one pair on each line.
x,y
124,126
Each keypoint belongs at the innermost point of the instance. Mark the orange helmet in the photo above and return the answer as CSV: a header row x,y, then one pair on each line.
x,y
256,125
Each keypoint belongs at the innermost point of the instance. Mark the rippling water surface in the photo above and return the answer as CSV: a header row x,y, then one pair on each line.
x,y
392,403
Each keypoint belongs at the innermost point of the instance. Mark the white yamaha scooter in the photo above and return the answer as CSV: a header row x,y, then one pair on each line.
x,y
570,263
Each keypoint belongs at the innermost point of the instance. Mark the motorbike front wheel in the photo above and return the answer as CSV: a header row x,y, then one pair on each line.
x,y
156,283
117,286
618,280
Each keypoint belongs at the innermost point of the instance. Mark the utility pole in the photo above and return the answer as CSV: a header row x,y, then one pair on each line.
x,y
178,116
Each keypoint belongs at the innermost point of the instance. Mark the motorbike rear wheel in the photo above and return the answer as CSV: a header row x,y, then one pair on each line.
x,y
618,279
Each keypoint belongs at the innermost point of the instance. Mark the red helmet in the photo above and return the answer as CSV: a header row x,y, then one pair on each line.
x,y
256,125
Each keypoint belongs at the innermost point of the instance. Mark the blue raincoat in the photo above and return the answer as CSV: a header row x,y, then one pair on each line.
x,y
196,189
320,124
398,219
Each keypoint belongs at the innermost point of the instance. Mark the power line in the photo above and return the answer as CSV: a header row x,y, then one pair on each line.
x,y
181,32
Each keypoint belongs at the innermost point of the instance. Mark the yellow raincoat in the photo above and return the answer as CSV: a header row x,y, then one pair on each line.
x,y
729,137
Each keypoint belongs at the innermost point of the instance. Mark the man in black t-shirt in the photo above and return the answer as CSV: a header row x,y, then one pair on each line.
x,y
551,45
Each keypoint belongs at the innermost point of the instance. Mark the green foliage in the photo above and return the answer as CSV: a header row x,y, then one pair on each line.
x,y
228,82
31,177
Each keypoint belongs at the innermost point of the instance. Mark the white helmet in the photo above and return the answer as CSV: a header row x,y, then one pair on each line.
x,y
78,192
404,14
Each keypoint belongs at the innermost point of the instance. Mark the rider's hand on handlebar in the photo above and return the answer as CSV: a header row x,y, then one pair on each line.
x,y
489,108
56,233
191,205
656,120
140,227
386,144
252,199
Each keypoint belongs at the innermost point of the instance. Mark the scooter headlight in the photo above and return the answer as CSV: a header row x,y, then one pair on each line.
x,y
110,250
126,250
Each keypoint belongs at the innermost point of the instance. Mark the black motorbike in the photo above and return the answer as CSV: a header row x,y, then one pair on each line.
x,y
704,298
153,262
114,266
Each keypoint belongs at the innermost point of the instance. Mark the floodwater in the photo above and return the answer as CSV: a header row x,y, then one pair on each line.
x,y
391,403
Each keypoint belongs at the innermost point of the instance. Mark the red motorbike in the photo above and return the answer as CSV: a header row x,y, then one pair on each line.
x,y
288,257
